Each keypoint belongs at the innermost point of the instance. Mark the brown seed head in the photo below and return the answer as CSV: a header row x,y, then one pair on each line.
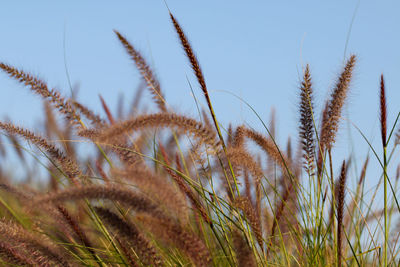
x,y
306,121
151,81
340,211
383,112
338,97
40,88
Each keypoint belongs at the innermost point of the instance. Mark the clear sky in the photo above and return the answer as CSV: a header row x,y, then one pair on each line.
x,y
255,50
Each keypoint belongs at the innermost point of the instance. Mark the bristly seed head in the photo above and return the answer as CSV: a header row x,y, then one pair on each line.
x,y
330,126
306,121
40,87
383,111
340,211
148,75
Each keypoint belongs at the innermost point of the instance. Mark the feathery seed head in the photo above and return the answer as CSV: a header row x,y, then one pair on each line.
x,y
330,124
306,121
383,111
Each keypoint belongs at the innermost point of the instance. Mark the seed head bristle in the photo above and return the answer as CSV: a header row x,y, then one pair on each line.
x,y
180,122
2,148
243,161
306,121
289,149
321,145
191,56
175,234
13,255
196,68
128,231
244,254
40,249
111,192
163,193
185,188
107,110
363,171
95,119
252,216
68,165
126,249
383,111
266,144
272,123
330,126
152,82
40,87
101,171
73,223
340,211
51,125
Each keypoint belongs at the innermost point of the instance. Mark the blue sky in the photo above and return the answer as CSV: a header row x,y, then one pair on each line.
x,y
255,50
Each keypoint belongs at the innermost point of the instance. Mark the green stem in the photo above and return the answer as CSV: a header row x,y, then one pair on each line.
x,y
385,178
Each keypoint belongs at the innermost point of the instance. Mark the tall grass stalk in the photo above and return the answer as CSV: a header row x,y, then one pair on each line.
x,y
383,120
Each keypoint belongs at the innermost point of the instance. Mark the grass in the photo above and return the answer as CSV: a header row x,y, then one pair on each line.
x,y
165,189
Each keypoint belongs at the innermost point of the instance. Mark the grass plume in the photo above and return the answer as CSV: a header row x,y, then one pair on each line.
x,y
330,125
40,87
129,232
68,165
152,82
306,121
340,212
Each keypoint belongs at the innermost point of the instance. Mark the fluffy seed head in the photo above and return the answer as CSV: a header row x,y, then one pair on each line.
x,y
383,112
306,121
330,126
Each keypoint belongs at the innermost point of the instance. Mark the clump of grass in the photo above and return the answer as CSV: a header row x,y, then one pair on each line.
x,y
165,189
